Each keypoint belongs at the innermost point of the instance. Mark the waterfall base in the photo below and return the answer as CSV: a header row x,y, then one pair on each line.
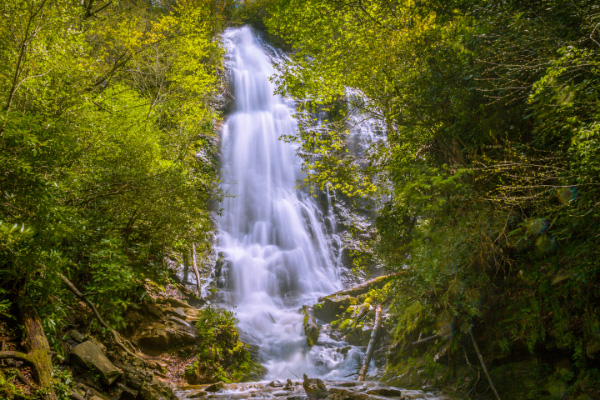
x,y
293,390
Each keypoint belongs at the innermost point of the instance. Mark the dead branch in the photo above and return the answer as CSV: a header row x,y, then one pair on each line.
x,y
116,336
485,370
371,347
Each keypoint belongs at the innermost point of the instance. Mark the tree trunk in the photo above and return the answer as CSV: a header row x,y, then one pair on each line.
x,y
39,355
198,283
371,347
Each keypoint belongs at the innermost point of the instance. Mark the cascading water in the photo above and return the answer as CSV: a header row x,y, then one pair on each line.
x,y
277,255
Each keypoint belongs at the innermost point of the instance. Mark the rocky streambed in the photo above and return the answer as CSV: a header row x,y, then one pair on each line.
x,y
309,389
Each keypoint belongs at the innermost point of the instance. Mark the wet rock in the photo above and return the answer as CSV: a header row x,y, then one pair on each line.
x,y
215,387
196,395
289,385
333,306
91,356
156,389
275,384
315,388
358,336
385,392
311,329
342,394
349,384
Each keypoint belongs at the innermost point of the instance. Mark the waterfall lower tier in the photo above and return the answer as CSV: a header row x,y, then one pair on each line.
x,y
276,253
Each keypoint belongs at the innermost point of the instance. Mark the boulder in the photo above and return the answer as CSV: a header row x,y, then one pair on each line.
x,y
160,338
89,355
311,329
331,307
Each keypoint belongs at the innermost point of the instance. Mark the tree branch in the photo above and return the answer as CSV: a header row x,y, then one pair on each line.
x,y
116,336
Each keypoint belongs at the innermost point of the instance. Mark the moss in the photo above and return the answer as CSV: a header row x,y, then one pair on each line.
x,y
347,323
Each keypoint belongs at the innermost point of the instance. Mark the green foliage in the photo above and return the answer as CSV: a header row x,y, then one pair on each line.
x,y
107,144
63,384
222,356
9,390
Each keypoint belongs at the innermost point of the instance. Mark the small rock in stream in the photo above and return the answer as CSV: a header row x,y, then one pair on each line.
x,y
275,384
315,388
289,385
215,387
385,392
196,395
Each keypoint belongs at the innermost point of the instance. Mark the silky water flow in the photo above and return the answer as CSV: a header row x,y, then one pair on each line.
x,y
277,256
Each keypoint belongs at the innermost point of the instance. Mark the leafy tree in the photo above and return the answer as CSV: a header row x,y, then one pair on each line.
x,y
107,137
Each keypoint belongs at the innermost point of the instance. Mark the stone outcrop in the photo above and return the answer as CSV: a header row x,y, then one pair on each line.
x,y
164,337
90,356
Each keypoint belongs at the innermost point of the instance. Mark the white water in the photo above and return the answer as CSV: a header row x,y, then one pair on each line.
x,y
276,251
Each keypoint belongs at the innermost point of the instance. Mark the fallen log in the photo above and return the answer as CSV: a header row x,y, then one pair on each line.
x,y
357,290
39,355
371,346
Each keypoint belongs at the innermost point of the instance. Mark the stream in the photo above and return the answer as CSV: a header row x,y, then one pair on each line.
x,y
275,252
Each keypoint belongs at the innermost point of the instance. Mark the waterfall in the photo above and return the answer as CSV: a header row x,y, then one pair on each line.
x,y
271,235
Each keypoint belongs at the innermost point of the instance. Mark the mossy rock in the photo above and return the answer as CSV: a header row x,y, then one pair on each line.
x,y
311,328
332,307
